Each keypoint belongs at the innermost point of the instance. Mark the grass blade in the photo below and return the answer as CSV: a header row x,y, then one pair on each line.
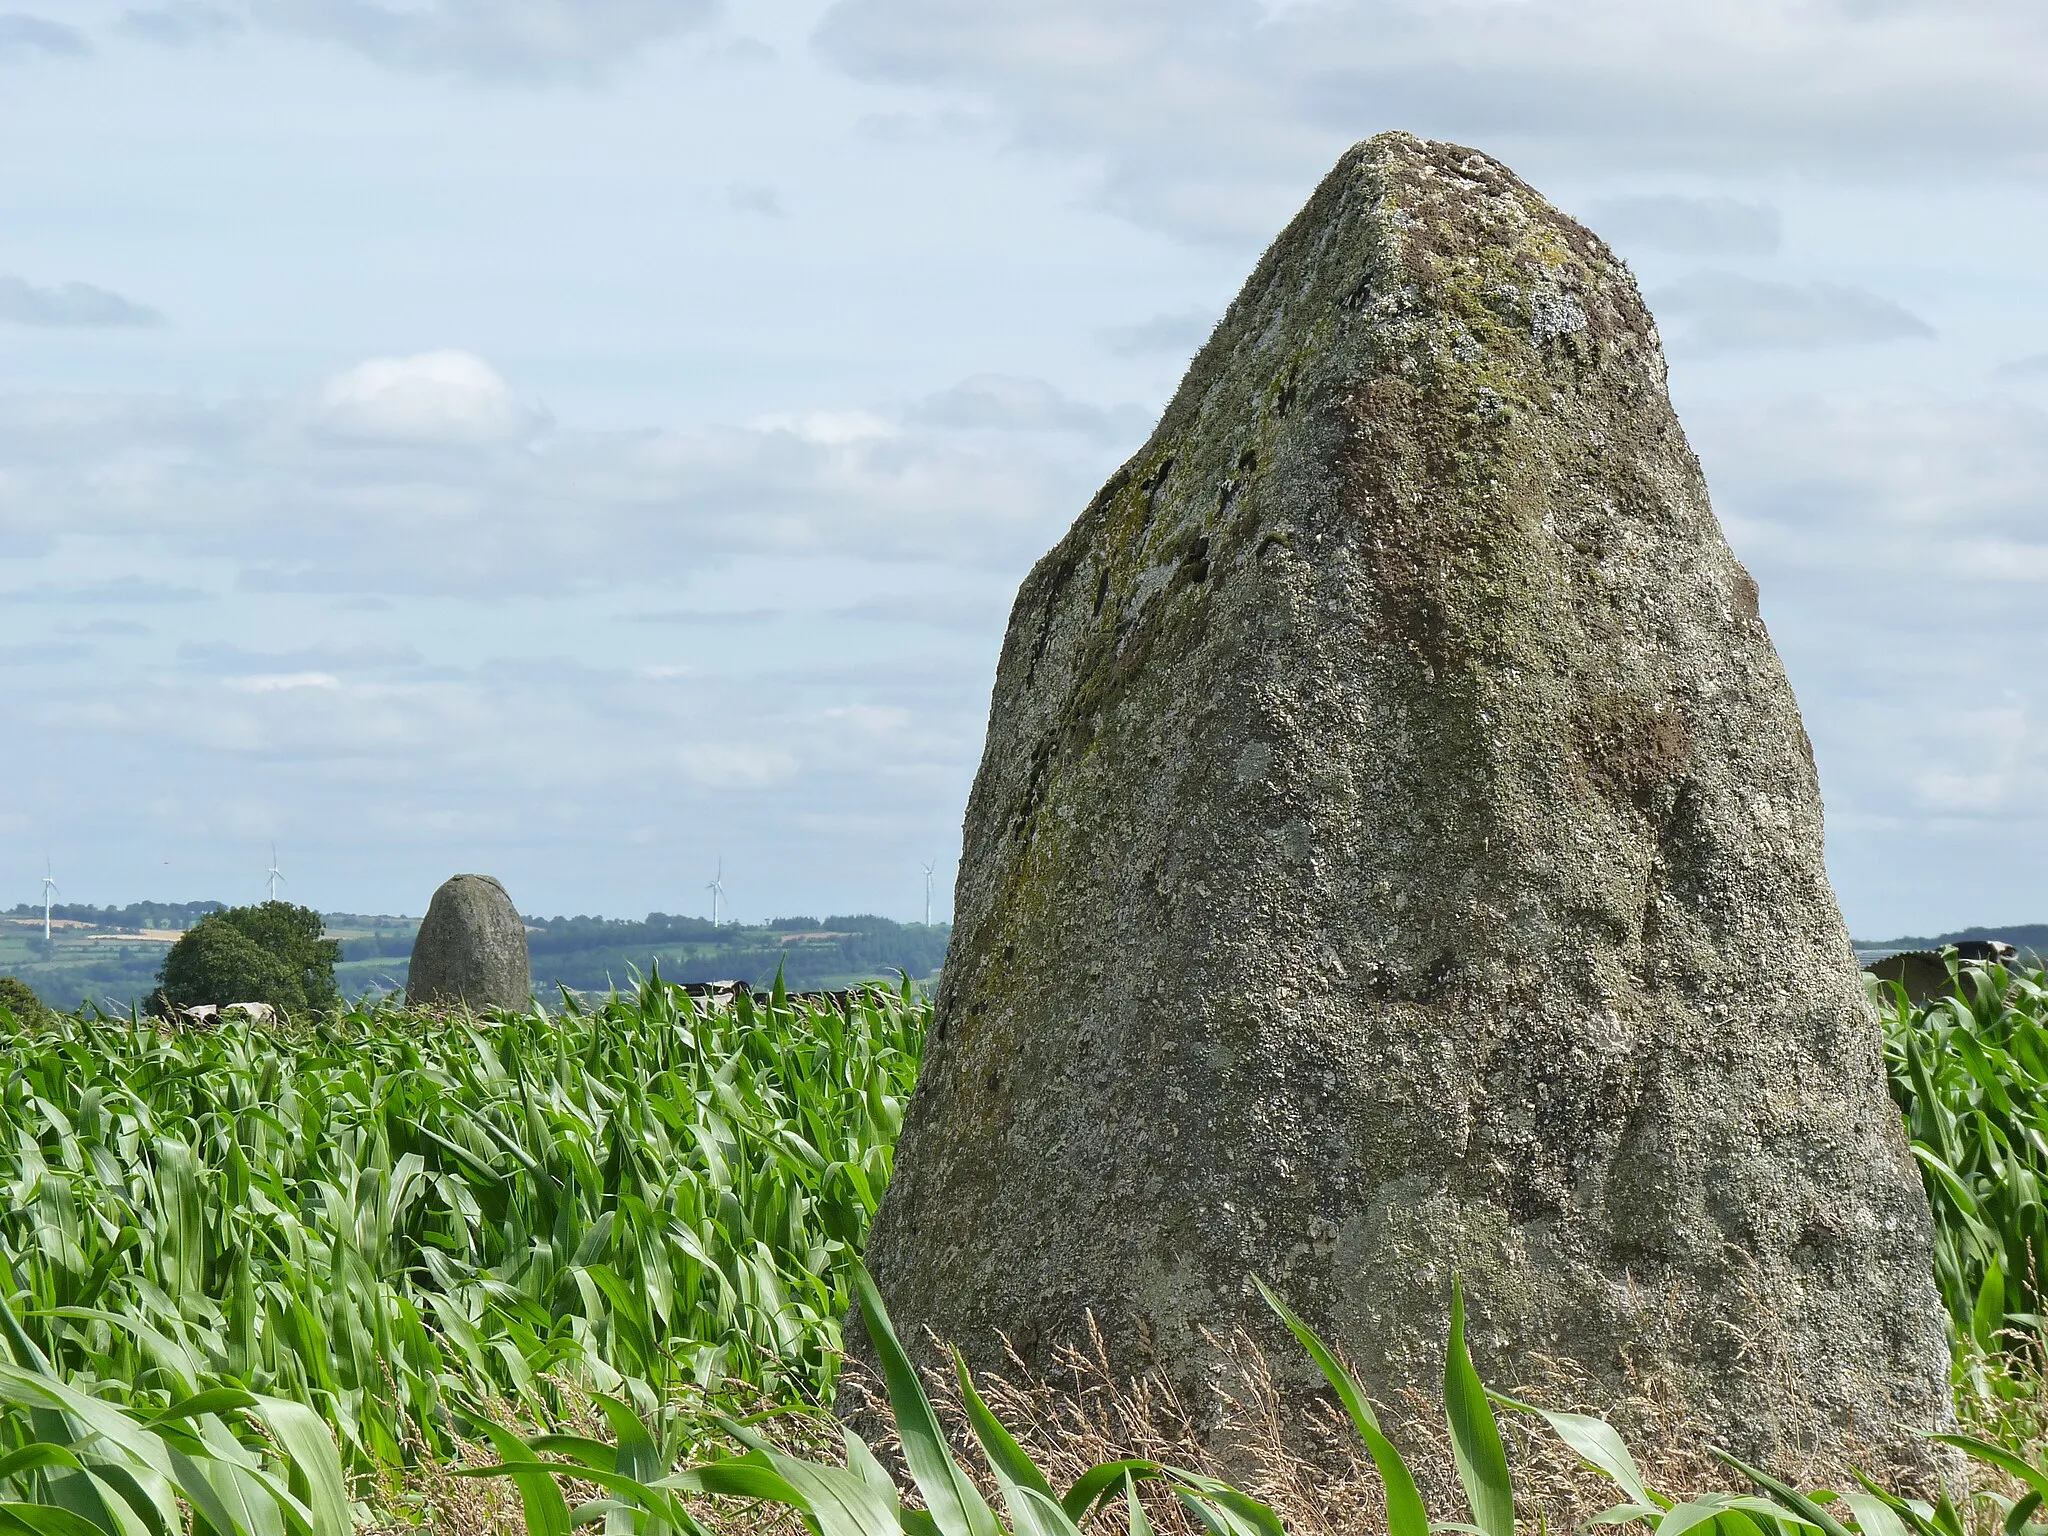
x,y
1405,1513
1475,1436
1997,1456
1593,1441
1008,1459
1783,1494
956,1506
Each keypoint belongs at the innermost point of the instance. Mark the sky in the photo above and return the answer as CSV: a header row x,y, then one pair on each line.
x,y
596,442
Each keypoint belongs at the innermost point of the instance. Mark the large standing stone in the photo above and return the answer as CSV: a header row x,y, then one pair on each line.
x,y
471,949
1396,853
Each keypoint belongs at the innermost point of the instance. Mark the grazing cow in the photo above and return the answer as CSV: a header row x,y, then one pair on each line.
x,y
1985,952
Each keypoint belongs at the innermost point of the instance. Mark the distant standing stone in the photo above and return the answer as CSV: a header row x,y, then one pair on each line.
x,y
471,949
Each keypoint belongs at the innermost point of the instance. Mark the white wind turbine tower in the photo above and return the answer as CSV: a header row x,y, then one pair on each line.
x,y
49,893
717,890
928,868
276,875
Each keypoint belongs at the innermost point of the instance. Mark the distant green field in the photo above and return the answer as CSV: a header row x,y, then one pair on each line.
x,y
79,966
109,956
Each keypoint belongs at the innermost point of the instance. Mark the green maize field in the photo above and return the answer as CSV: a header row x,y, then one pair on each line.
x,y
386,1216
396,1226
1970,1074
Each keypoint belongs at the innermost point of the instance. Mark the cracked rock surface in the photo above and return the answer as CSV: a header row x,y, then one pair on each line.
x,y
1396,853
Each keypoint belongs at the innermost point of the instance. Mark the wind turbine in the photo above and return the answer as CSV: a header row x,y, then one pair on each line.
x,y
276,874
928,868
717,890
49,891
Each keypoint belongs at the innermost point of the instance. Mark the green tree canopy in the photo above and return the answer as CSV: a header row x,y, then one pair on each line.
x,y
271,953
19,999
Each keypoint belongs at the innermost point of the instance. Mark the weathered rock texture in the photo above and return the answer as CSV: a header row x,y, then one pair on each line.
x,y
471,949
1397,852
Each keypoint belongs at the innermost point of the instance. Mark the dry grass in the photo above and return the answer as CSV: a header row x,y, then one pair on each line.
x,y
1083,1414
2004,1399
1319,1482
434,1497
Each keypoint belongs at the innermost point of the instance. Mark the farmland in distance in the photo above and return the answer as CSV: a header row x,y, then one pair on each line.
x,y
110,955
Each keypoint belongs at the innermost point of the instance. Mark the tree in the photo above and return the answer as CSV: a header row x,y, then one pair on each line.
x,y
270,953
19,999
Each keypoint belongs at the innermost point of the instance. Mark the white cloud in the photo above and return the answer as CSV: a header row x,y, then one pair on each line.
x,y
124,591
1705,226
871,720
1006,403
427,474
70,305
179,25
1727,312
832,429
1898,480
282,682
22,35
450,398
2007,764
66,425
752,197
1900,543
308,666
43,653
736,765
493,39
1212,117
1177,334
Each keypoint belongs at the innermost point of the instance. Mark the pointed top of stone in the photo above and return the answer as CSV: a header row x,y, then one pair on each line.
x,y
1396,853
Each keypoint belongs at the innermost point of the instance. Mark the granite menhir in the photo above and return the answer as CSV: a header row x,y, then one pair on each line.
x,y
1397,853
471,949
